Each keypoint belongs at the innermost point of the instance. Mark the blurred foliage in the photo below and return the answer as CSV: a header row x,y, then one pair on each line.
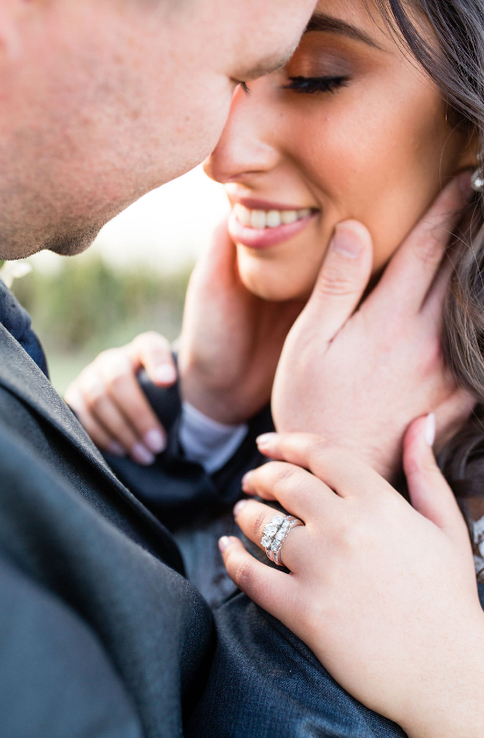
x,y
87,306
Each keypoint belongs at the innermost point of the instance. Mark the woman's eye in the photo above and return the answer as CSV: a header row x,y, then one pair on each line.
x,y
313,85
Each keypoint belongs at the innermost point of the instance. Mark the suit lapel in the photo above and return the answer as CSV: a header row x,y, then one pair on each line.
x,y
21,376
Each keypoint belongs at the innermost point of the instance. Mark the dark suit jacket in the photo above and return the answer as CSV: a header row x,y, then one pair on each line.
x,y
100,634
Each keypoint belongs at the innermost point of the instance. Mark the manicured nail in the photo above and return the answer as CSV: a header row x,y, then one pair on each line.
x,y
346,242
155,441
141,455
430,429
165,374
223,543
239,506
116,449
266,440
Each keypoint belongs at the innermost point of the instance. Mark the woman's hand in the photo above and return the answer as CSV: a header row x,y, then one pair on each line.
x,y
359,373
382,592
110,404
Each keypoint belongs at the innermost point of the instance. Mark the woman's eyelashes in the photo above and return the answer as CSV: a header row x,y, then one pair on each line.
x,y
313,85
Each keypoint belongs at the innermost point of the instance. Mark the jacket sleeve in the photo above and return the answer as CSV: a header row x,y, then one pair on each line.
x,y
55,678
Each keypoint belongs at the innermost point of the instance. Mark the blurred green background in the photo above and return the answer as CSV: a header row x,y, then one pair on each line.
x,y
86,305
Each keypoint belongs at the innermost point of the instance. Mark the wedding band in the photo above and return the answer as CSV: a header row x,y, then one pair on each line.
x,y
275,533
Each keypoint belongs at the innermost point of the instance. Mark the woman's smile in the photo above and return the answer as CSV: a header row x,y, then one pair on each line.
x,y
349,129
262,225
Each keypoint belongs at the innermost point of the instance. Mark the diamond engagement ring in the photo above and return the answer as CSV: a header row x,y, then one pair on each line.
x,y
275,533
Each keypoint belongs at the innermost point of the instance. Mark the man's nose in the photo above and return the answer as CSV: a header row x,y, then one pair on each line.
x,y
247,145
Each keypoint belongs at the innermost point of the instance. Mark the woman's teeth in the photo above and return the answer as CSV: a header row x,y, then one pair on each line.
x,y
268,218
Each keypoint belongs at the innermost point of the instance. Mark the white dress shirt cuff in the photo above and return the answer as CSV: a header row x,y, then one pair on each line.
x,y
206,441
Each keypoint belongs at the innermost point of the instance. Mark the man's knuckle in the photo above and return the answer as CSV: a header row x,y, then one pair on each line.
x,y
335,283
430,248
320,448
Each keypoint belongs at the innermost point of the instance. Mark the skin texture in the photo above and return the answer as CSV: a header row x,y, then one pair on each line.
x,y
102,102
377,149
367,590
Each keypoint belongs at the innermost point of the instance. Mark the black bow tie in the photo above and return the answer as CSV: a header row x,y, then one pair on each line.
x,y
17,322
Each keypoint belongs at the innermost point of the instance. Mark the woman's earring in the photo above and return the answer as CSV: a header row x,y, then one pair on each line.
x,y
477,179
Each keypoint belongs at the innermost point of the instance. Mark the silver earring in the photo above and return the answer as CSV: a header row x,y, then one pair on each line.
x,y
477,179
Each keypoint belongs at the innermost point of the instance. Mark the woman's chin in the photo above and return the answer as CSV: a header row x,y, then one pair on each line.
x,y
274,289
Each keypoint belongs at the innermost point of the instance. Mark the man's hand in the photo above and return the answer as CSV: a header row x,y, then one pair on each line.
x,y
382,592
231,339
228,353
359,375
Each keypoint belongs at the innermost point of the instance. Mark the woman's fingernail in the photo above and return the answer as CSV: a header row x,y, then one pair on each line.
x,y
266,440
430,429
155,441
346,242
165,374
116,449
141,455
239,506
223,543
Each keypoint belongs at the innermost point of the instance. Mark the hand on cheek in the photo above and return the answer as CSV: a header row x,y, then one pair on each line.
x,y
383,593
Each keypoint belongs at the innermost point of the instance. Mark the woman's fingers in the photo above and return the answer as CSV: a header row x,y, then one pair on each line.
x,y
153,352
252,517
342,280
114,410
299,492
102,438
343,472
134,411
410,273
274,591
429,492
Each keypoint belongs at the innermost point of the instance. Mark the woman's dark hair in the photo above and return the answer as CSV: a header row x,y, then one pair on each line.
x,y
456,64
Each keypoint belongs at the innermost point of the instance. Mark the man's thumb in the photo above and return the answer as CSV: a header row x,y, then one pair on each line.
x,y
342,279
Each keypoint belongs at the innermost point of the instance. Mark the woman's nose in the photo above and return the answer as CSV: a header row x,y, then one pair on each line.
x,y
247,146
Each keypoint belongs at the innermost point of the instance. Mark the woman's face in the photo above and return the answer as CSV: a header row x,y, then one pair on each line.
x,y
350,128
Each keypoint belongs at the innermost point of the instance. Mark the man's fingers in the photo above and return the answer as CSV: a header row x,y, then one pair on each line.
x,y
153,352
429,492
410,273
275,591
342,279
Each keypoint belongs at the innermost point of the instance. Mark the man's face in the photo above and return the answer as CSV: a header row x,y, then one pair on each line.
x,y
104,100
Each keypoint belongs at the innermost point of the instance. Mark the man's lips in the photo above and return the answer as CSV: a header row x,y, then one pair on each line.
x,y
262,228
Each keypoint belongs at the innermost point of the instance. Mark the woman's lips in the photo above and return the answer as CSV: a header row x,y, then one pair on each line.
x,y
260,229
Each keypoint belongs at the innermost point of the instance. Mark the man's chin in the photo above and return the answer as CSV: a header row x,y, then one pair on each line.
x,y
65,244
72,243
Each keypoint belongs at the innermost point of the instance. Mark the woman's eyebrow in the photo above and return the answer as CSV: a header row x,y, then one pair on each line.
x,y
326,23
